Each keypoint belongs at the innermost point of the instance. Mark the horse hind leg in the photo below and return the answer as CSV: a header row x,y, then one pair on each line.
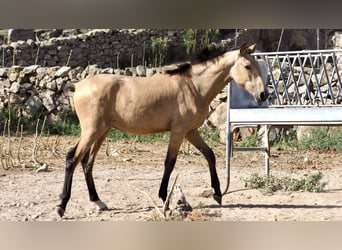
x,y
87,165
72,159
69,171
195,139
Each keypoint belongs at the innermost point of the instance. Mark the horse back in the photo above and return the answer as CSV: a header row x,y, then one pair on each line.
x,y
140,105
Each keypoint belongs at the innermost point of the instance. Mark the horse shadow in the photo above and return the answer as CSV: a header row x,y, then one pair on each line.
x,y
275,206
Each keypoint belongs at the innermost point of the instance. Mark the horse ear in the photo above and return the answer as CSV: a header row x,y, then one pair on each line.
x,y
244,49
251,48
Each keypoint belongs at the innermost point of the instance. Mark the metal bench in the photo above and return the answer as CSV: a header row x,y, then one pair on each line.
x,y
305,89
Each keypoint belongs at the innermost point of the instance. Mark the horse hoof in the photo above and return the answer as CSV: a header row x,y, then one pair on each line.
x,y
101,206
60,211
218,199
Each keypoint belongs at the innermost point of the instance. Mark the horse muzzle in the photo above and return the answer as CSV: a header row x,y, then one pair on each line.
x,y
262,97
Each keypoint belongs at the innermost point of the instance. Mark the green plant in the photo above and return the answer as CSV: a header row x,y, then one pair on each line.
x,y
271,184
66,124
288,139
250,141
189,40
117,135
159,46
192,42
207,40
323,139
210,135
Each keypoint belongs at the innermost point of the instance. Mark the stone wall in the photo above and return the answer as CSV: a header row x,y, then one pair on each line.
x,y
47,88
105,48
47,66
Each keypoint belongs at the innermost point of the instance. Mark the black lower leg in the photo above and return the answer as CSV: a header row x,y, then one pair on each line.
x,y
87,166
69,171
215,183
208,153
169,165
93,196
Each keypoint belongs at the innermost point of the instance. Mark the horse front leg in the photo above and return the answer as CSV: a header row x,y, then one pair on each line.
x,y
170,161
195,139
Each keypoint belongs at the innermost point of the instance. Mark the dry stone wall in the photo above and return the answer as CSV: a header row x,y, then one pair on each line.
x,y
105,48
47,88
43,69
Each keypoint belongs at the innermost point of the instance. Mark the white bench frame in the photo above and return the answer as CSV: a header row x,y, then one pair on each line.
x,y
284,110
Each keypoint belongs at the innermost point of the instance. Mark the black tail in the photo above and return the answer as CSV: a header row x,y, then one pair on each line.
x,y
70,86
71,153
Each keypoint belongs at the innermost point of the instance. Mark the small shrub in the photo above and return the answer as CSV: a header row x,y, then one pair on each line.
x,y
250,141
159,48
210,135
189,40
323,139
287,140
271,184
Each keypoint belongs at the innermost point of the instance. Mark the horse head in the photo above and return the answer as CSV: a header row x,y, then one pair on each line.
x,y
246,73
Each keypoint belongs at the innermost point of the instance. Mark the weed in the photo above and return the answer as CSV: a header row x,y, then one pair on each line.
x,y
250,141
287,140
323,139
189,40
271,184
210,135
207,40
159,48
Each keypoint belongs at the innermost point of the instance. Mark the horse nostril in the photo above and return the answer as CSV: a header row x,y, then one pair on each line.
x,y
263,96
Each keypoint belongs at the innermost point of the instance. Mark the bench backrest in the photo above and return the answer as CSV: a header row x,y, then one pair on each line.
x,y
305,78
298,78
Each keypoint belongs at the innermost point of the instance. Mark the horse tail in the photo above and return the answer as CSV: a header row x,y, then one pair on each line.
x,y
71,153
70,86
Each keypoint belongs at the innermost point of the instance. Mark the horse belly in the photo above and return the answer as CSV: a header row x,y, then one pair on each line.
x,y
142,122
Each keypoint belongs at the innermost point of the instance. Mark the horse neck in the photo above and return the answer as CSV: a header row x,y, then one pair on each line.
x,y
211,77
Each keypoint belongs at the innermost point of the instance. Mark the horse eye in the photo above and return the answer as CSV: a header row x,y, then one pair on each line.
x,y
248,67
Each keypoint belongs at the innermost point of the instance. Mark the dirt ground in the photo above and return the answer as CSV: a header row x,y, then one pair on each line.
x,y
131,167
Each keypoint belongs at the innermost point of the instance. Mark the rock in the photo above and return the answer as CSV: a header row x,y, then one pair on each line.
x,y
17,99
141,70
75,73
128,71
62,72
29,70
33,102
4,84
178,205
51,85
15,87
90,70
218,118
3,72
43,168
47,98
15,35
303,132
13,77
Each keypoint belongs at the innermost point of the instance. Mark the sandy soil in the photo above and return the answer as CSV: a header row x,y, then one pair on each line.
x,y
28,195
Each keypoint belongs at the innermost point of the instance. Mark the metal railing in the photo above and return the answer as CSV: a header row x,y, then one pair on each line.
x,y
308,77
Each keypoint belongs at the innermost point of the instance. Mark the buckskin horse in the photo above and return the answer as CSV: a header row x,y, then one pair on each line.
x,y
176,100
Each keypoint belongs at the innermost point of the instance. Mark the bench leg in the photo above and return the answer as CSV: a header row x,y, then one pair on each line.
x,y
229,154
267,149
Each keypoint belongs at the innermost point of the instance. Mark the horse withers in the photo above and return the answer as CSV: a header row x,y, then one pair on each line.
x,y
176,100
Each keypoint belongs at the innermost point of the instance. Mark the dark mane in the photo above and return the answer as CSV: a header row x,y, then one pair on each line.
x,y
177,68
203,55
208,53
